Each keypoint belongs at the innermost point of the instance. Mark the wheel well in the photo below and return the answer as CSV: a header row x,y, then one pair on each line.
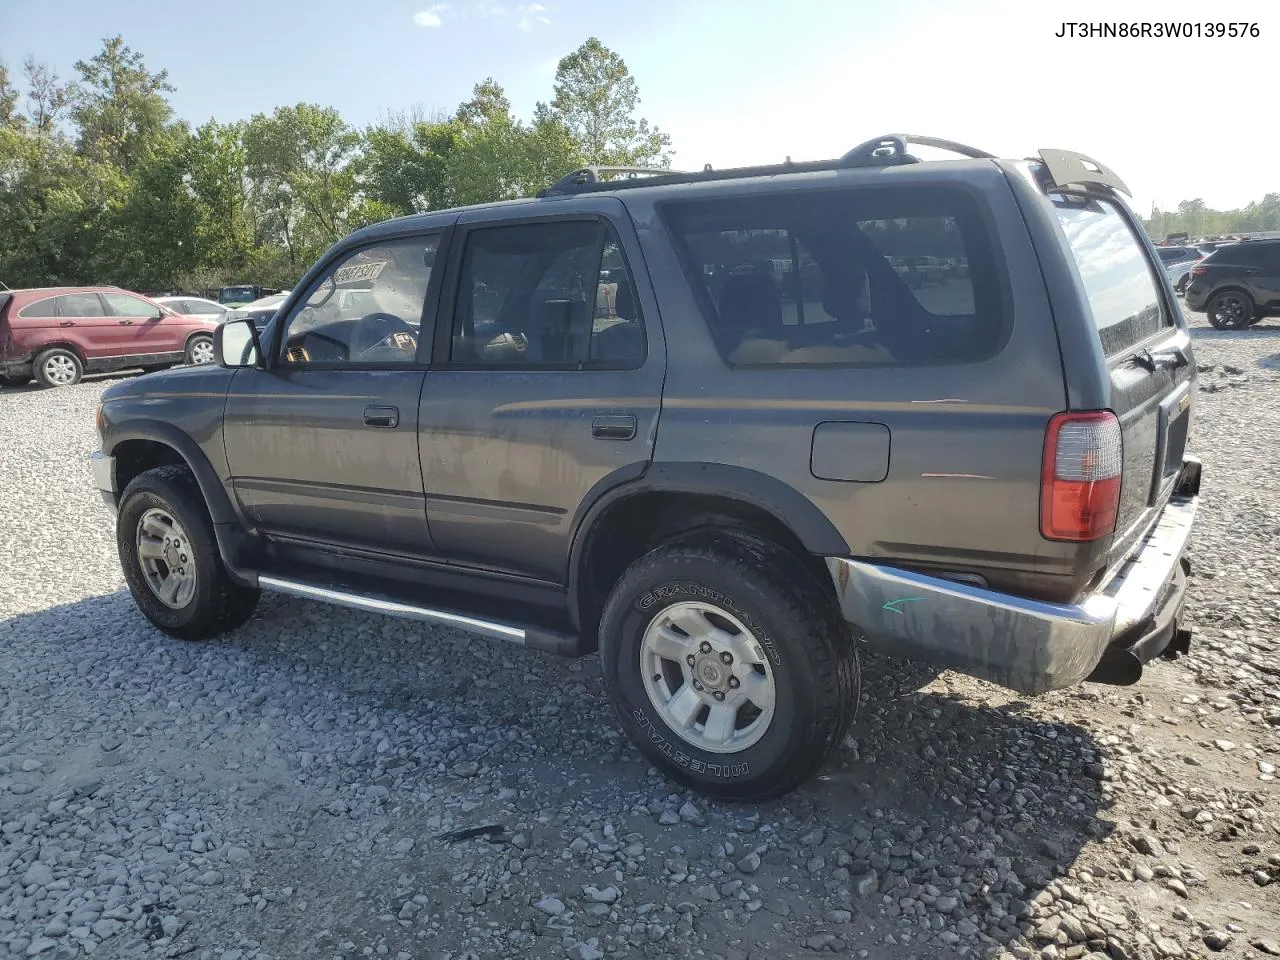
x,y
634,525
1229,289
197,333
135,456
60,345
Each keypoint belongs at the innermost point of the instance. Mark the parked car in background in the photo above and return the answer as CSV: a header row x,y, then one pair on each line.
x,y
57,334
1178,262
1238,284
240,294
194,306
260,311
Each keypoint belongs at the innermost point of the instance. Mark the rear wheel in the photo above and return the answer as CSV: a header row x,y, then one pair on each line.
x,y
200,349
58,367
1180,287
1230,310
170,558
728,665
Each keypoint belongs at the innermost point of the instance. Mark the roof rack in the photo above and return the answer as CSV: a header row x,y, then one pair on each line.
x,y
890,150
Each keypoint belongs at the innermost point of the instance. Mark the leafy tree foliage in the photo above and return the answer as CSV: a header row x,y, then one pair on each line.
x,y
101,183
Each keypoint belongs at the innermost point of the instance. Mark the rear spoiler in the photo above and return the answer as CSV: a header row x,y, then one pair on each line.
x,y
1068,168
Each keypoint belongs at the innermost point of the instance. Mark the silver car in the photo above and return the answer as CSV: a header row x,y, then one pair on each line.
x,y
193,306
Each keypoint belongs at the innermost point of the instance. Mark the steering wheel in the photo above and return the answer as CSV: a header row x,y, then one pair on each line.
x,y
399,336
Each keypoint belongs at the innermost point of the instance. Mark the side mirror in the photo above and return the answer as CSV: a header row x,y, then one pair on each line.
x,y
235,344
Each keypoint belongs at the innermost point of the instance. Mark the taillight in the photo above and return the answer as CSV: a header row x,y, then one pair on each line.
x,y
1199,271
1080,478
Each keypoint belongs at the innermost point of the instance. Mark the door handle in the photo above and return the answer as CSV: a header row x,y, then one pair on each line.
x,y
381,416
126,323
67,323
613,428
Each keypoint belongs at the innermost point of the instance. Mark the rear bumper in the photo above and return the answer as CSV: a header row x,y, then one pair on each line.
x,y
1028,645
1196,297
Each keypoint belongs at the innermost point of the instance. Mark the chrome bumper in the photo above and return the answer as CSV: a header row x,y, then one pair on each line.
x,y
104,477
1026,645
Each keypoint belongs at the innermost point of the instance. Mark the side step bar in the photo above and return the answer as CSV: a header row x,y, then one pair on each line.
x,y
535,638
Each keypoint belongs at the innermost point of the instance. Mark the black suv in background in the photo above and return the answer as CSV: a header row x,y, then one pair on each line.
x,y
721,427
1238,284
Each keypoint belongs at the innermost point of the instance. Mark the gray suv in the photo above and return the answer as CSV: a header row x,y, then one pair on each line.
x,y
723,428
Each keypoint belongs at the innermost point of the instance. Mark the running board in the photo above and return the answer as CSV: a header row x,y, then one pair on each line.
x,y
535,638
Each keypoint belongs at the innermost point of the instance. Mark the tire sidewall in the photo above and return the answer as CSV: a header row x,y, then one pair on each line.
x,y
639,599
143,495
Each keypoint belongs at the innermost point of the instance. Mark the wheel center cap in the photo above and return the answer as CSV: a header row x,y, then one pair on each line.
x,y
171,556
710,672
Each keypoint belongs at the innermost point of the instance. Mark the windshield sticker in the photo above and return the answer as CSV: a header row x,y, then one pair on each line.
x,y
359,271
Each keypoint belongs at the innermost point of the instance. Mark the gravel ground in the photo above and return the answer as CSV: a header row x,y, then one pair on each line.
x,y
298,789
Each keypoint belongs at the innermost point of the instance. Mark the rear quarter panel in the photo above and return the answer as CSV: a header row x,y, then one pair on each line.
x,y
962,489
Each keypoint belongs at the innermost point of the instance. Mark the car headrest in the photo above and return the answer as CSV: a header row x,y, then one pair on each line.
x,y
750,301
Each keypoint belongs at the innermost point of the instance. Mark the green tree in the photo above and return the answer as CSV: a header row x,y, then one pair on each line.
x,y
118,106
299,163
47,96
596,98
9,96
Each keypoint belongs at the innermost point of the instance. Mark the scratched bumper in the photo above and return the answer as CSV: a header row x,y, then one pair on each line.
x,y
1026,645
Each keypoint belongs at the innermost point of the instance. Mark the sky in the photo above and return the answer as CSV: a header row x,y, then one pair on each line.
x,y
741,81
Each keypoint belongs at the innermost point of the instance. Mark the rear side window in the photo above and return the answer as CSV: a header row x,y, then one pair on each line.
x,y
1118,279
47,307
555,295
81,305
852,278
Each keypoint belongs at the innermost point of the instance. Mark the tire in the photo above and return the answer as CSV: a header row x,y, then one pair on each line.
x,y
206,601
1180,288
199,349
1230,310
789,626
58,367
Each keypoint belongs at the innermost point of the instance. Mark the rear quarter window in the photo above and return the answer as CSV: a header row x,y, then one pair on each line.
x,y
884,277
1119,282
48,307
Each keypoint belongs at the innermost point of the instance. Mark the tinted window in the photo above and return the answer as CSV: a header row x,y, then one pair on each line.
x,y
879,278
1171,254
366,309
546,294
123,305
81,305
1248,254
42,308
1118,279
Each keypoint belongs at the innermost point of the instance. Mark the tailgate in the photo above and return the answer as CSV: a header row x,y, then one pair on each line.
x,y
1148,356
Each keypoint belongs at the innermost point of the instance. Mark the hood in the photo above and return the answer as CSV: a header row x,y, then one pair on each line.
x,y
176,382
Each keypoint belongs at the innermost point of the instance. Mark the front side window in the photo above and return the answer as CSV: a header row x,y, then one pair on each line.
x,y
557,294
80,305
366,309
1118,278
123,305
885,277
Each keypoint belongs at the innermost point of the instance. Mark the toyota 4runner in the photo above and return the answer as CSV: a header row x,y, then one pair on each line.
x,y
708,426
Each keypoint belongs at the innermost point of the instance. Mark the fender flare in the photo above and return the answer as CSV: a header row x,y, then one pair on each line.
x,y
221,509
785,503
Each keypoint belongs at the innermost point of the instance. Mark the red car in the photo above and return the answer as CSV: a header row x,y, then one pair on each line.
x,y
57,334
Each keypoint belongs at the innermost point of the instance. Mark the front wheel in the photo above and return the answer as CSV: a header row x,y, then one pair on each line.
x,y
200,349
170,558
728,665
1230,310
